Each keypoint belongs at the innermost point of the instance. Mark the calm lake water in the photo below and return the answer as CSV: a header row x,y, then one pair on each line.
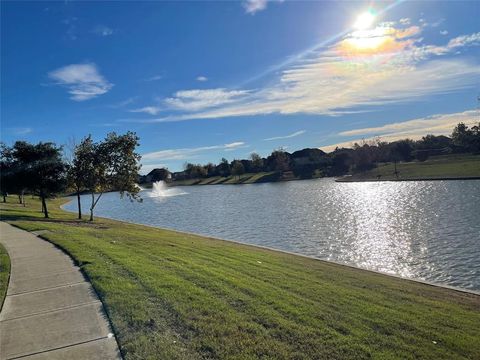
x,y
422,230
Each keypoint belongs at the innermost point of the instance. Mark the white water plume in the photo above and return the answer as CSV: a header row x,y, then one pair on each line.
x,y
160,189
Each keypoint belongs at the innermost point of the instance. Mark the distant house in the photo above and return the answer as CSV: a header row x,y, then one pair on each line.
x,y
156,175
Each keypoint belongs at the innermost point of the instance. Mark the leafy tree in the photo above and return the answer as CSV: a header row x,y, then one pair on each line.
x,y
401,150
224,167
279,160
257,162
237,168
6,165
109,165
462,137
364,156
39,168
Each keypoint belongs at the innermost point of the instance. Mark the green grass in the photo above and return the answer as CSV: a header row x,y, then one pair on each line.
x,y
248,178
445,166
4,273
171,295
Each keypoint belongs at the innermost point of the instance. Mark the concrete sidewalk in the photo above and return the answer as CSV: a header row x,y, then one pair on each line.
x,y
50,311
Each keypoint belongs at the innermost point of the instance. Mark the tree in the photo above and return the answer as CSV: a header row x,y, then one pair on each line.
x,y
224,167
257,162
462,137
81,169
39,168
109,165
6,164
401,150
279,160
237,168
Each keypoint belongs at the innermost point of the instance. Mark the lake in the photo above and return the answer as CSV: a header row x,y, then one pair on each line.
x,y
428,230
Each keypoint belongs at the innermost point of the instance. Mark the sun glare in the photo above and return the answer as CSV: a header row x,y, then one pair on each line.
x,y
364,20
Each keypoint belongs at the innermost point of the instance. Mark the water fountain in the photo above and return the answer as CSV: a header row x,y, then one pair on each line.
x,y
160,189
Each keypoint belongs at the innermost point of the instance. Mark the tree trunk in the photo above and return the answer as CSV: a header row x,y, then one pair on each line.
x,y
4,198
20,199
44,206
91,207
23,198
79,205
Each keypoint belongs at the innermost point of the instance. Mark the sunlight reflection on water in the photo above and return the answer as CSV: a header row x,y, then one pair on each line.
x,y
423,230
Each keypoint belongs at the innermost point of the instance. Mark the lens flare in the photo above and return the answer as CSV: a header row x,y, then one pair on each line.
x,y
365,20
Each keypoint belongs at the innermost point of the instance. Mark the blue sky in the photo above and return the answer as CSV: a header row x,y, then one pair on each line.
x,y
199,81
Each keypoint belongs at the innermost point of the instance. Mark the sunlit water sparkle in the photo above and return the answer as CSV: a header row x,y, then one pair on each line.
x,y
423,230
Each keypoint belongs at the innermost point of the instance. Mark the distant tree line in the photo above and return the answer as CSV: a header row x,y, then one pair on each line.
x,y
44,169
363,156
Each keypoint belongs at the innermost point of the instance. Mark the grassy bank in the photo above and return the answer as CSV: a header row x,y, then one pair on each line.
x,y
248,178
177,296
436,167
4,273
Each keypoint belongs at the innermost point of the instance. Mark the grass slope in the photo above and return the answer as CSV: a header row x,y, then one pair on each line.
x,y
446,166
4,273
248,178
177,296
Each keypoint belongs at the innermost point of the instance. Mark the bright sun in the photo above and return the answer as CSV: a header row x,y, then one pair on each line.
x,y
364,20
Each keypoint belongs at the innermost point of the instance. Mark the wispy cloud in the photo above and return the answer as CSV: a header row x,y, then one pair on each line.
x,y
123,103
443,32
297,133
195,100
154,78
152,110
187,153
439,124
253,6
71,24
102,30
83,81
357,73
21,130
202,78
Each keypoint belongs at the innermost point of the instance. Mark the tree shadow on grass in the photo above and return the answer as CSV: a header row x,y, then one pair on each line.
x,y
6,216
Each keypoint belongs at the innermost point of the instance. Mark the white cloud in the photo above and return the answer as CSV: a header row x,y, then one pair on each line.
x,y
102,30
297,133
152,110
83,81
439,124
253,6
443,32
195,100
188,153
202,78
464,40
405,21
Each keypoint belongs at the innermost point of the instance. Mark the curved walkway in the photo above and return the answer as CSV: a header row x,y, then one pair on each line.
x,y
50,311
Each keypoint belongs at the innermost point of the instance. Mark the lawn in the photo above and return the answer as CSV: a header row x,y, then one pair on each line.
x,y
445,166
4,273
171,295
